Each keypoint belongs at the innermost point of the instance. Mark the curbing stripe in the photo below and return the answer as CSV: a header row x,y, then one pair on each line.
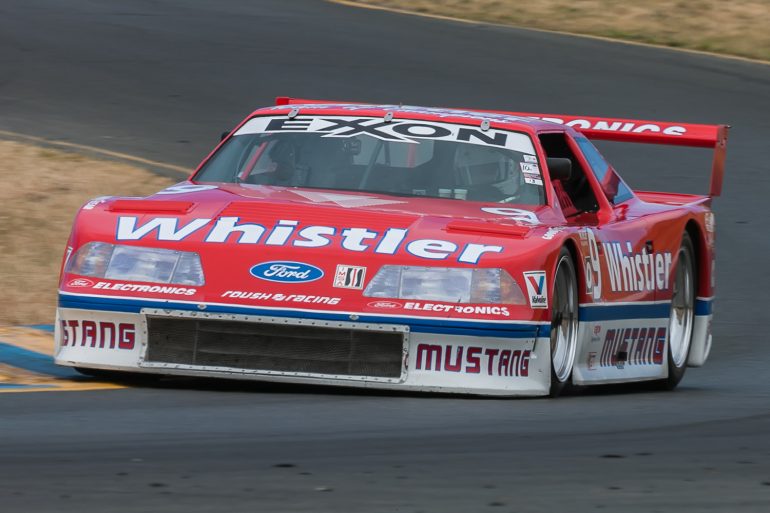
x,y
32,361
11,386
65,386
31,339
24,368
49,328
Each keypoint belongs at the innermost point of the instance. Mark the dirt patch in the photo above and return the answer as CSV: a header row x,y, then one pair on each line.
x,y
738,27
42,190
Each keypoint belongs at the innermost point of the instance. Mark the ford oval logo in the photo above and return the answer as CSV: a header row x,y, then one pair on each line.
x,y
385,304
80,282
286,272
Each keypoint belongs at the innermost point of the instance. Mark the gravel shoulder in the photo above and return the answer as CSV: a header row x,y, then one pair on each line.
x,y
737,28
43,190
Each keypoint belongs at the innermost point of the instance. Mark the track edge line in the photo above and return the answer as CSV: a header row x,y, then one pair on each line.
x,y
354,3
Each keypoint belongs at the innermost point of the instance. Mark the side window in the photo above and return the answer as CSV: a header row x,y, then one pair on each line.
x,y
575,194
613,187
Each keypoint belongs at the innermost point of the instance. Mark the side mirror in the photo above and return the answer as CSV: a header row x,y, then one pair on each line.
x,y
224,135
559,168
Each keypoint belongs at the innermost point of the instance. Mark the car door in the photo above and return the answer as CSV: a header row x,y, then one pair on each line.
x,y
623,326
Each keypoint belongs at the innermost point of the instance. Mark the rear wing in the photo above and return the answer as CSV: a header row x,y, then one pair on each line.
x,y
652,132
622,130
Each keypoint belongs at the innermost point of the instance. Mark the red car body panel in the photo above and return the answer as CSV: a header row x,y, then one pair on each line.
x,y
624,254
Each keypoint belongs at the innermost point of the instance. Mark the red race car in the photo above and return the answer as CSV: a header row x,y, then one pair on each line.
x,y
399,247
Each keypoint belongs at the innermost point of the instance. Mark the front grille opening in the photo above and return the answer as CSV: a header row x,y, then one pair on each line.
x,y
262,346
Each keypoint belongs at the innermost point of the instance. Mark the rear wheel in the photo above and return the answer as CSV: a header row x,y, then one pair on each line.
x,y
680,324
564,323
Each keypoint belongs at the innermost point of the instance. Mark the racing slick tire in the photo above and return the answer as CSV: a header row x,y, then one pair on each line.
x,y
564,323
682,318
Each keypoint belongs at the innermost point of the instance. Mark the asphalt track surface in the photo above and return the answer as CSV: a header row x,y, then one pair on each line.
x,y
162,79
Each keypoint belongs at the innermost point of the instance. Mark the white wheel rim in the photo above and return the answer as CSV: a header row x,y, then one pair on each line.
x,y
682,310
564,323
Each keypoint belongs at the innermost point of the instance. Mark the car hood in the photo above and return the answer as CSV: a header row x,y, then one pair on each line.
x,y
223,194
243,233
226,213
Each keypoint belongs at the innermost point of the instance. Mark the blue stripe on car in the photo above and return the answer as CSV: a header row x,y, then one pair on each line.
x,y
703,306
610,312
587,312
420,325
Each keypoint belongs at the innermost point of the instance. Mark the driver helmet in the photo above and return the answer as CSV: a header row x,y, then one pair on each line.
x,y
481,165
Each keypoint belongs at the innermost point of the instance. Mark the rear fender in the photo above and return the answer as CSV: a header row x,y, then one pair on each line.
x,y
701,232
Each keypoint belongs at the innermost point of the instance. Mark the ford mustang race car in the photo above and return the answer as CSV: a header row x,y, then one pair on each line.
x,y
400,247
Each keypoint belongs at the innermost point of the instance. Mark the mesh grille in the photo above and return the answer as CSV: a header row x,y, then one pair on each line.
x,y
274,347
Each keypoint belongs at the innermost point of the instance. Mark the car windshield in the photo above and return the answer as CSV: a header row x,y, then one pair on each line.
x,y
398,157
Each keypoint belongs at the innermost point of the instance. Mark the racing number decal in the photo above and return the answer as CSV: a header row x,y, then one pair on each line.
x,y
593,271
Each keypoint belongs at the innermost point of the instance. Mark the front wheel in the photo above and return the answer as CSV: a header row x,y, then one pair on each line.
x,y
564,323
680,324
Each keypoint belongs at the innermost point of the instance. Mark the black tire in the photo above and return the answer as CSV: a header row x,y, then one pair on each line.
x,y
564,323
680,326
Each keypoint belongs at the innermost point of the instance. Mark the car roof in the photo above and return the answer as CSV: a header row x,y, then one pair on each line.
x,y
466,116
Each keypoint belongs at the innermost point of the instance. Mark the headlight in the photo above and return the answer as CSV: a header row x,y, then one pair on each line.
x,y
131,263
447,284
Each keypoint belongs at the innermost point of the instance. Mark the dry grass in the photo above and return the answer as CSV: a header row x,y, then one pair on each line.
x,y
737,27
42,190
